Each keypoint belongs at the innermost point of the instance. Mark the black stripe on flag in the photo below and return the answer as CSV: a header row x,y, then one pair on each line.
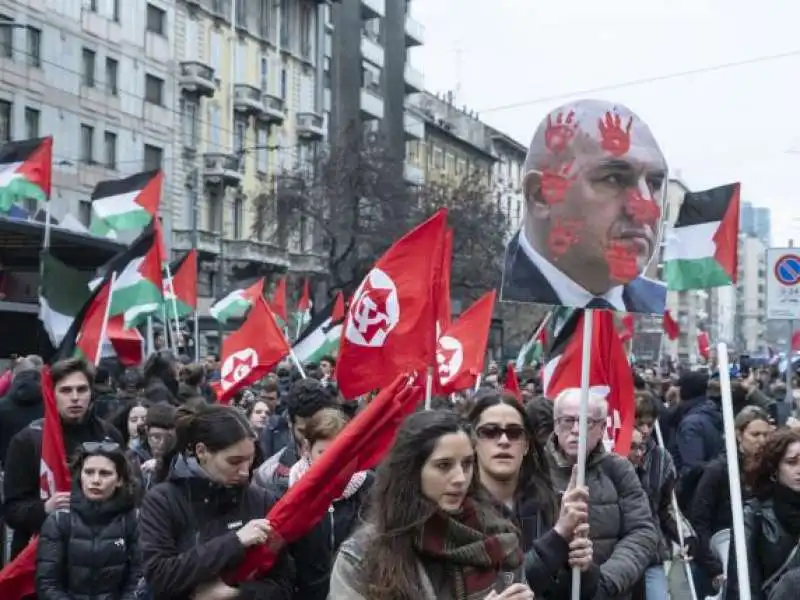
x,y
116,187
708,206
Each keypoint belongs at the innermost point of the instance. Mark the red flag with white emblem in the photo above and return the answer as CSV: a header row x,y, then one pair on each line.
x,y
251,351
390,326
462,348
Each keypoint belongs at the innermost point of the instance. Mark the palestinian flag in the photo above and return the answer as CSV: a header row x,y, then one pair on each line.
x,y
125,204
701,250
236,303
321,336
62,294
26,171
182,293
302,315
533,350
138,287
85,335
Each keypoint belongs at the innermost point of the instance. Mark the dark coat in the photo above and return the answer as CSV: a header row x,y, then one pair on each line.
x,y
524,282
89,552
187,533
698,434
23,506
21,406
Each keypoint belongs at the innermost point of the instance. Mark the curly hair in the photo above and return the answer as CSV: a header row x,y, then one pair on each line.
x,y
306,397
762,475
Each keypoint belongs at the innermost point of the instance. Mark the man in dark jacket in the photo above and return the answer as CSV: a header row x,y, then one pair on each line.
x,y
22,404
24,509
698,425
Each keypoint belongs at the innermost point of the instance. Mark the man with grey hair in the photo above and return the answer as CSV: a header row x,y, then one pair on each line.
x,y
593,181
620,523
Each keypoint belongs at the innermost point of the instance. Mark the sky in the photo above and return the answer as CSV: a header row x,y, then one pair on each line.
x,y
514,61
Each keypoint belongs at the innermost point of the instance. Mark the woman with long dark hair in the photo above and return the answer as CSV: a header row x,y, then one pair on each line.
x,y
771,518
196,525
91,549
513,469
431,534
130,419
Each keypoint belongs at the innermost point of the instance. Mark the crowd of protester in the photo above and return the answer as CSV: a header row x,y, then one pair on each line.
x,y
476,499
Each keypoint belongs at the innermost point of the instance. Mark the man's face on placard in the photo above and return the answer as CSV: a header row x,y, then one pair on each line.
x,y
594,183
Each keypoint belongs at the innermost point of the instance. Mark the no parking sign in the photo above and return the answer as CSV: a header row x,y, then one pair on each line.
x,y
783,283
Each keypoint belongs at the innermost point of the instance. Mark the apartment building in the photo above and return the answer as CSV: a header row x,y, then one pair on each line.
x,y
508,173
751,296
368,72
250,106
95,77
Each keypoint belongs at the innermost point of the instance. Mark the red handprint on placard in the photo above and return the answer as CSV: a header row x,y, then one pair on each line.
x,y
613,138
558,135
622,261
641,210
563,234
556,183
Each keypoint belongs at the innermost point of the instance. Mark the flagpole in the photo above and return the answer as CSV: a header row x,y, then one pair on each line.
x,y
174,307
196,334
478,380
429,389
99,352
583,424
296,362
151,345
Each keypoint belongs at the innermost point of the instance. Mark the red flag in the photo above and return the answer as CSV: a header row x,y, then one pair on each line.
x,y
443,315
703,344
128,343
184,281
512,383
17,579
796,341
628,328
88,341
670,326
278,304
610,373
251,351
390,326
304,304
361,446
338,312
461,350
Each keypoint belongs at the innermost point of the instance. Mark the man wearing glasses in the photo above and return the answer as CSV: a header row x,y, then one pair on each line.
x,y
620,524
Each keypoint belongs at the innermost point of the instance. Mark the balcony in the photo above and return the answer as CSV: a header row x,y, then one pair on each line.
x,y
413,126
308,262
413,174
371,104
372,51
274,110
310,126
197,78
247,99
207,241
221,168
254,251
415,32
415,82
373,9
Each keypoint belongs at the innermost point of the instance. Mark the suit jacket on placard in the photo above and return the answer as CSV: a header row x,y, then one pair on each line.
x,y
524,282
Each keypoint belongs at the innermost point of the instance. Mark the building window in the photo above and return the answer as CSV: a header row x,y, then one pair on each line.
x,y
284,83
5,121
112,76
85,212
93,6
153,89
215,128
285,23
305,31
215,53
450,163
438,158
461,167
264,74
6,38
87,144
110,150
262,152
189,121
115,11
34,47
89,57
239,132
263,19
241,13
153,156
32,118
238,218
156,20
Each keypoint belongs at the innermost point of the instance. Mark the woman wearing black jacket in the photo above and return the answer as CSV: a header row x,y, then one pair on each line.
x,y
195,527
90,551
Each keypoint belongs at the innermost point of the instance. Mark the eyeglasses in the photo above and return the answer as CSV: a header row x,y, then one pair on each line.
x,y
92,447
567,423
639,448
491,431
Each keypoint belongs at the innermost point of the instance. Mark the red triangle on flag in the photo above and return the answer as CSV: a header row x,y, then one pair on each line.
x,y
512,383
278,303
726,238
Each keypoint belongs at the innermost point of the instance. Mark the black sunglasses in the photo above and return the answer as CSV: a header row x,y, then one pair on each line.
x,y
92,447
490,431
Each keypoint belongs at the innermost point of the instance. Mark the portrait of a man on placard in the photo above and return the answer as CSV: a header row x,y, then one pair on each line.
x,y
594,181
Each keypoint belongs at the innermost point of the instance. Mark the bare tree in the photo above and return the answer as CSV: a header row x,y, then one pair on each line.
x,y
352,198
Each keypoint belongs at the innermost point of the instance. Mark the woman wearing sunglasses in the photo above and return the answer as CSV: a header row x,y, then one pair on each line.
x,y
512,468
91,550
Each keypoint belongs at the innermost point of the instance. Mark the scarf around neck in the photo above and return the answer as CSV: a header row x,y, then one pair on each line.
x,y
302,466
787,508
476,553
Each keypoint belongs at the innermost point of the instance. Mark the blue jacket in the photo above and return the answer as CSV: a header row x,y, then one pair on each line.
x,y
699,434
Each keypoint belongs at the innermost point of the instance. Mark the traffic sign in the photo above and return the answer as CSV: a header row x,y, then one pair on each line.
x,y
783,283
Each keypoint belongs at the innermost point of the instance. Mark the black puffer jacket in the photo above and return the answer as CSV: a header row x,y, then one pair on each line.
x,y
187,532
21,406
89,552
